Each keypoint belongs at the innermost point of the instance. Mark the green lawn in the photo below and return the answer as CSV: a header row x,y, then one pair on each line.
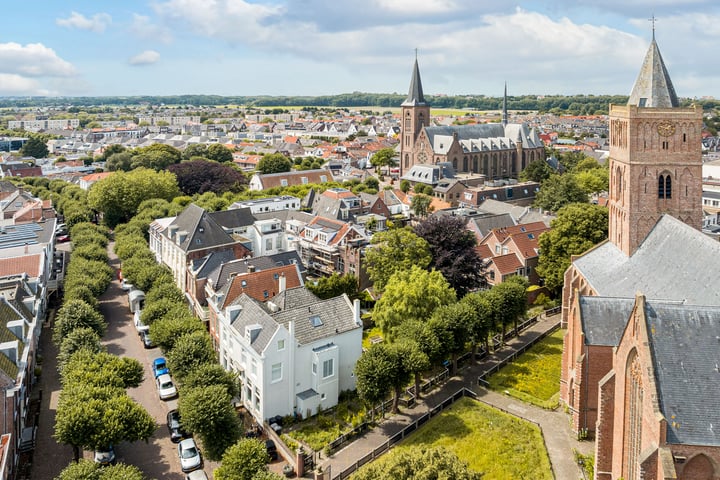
x,y
534,377
496,444
373,332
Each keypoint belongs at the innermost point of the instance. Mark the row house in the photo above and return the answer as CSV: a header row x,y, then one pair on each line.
x,y
512,250
294,353
261,181
270,204
508,191
246,277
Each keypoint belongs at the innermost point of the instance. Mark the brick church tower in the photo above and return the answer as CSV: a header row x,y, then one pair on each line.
x,y
655,164
415,114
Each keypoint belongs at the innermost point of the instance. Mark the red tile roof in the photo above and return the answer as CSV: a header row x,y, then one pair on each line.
x,y
260,283
507,264
30,264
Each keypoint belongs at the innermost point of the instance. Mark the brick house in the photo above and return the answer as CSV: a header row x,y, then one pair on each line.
x,y
513,251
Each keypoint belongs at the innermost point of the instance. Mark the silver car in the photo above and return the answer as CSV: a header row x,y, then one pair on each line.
x,y
190,458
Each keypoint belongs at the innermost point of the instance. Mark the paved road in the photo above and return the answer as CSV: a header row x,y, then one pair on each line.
x,y
158,457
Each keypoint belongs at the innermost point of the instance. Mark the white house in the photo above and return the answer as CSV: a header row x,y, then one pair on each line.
x,y
295,353
272,204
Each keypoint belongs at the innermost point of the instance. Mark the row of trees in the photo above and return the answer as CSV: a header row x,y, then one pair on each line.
x,y
205,388
94,409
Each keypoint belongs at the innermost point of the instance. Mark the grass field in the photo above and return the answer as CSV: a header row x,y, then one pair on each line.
x,y
498,445
534,377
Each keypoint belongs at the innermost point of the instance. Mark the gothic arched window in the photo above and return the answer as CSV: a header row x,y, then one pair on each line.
x,y
664,186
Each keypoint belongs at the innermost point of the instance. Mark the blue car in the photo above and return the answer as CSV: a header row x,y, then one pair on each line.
x,y
159,367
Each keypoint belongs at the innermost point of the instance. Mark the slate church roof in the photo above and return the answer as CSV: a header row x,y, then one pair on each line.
x,y
653,87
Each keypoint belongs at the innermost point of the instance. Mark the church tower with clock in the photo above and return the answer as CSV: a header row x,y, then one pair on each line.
x,y
655,165
415,114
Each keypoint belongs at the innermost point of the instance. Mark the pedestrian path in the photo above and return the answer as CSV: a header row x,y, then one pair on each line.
x,y
555,425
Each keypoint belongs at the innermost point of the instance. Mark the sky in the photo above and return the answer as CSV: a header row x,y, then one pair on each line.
x,y
327,47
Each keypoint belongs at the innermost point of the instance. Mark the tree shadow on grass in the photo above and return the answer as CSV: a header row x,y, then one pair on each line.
x,y
448,425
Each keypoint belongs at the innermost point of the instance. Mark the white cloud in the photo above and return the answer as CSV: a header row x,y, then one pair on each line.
x,y
33,60
148,57
142,27
415,7
98,23
11,85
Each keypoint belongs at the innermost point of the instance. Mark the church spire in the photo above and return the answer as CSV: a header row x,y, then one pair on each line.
x,y
415,93
653,87
504,107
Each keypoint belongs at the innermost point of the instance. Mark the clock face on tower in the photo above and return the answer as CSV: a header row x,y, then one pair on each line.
x,y
422,157
666,129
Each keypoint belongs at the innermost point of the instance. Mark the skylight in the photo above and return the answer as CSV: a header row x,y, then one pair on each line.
x,y
315,321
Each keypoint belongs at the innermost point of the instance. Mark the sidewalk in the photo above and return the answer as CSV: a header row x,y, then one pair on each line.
x,y
555,425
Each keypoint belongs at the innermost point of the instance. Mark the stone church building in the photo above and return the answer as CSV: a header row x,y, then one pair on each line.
x,y
496,150
641,355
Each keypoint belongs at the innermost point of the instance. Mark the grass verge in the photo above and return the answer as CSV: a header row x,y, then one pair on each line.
x,y
534,377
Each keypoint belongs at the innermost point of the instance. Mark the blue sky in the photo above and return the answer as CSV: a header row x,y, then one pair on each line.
x,y
319,47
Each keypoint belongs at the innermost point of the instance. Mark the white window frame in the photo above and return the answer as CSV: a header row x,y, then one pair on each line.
x,y
276,372
329,368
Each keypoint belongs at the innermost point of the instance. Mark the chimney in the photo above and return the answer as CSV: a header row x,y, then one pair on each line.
x,y
356,312
251,268
282,283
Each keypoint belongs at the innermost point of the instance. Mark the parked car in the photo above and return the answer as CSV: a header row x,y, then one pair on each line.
x,y
62,238
175,427
147,341
166,387
196,475
139,325
105,455
125,285
159,367
190,458
271,449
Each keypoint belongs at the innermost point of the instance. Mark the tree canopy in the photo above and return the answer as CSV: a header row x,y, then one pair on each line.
x,y
274,163
208,412
576,229
452,247
200,175
35,147
119,195
394,250
335,285
558,191
417,462
243,460
411,295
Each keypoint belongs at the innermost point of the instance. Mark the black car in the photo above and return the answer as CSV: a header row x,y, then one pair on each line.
x,y
175,427
271,450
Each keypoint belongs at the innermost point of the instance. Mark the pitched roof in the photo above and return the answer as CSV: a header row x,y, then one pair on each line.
x,y
604,318
653,87
253,314
201,230
415,96
30,264
684,344
319,320
507,264
674,262
261,285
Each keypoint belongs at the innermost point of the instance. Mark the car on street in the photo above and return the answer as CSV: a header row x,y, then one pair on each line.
x,y
125,285
139,325
190,458
196,475
175,427
62,238
166,387
147,341
104,455
159,367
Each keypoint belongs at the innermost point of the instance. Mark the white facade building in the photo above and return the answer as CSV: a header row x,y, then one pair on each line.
x,y
294,360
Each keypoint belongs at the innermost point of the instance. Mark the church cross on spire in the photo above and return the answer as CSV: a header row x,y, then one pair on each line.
x,y
653,19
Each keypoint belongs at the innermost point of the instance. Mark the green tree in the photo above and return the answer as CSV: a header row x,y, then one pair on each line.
x,y
385,157
411,295
189,352
89,470
157,156
207,412
420,333
483,320
593,181
274,163
195,150
575,230
166,331
536,171
111,150
219,153
511,301
393,250
558,191
119,195
159,309
208,374
451,323
243,460
76,314
335,285
405,186
80,338
119,161
35,147
420,204
374,373
85,367
417,463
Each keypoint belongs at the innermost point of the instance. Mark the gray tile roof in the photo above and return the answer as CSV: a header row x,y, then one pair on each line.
x,y
685,346
234,218
604,318
202,230
294,298
653,87
211,262
336,316
252,314
674,262
415,92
